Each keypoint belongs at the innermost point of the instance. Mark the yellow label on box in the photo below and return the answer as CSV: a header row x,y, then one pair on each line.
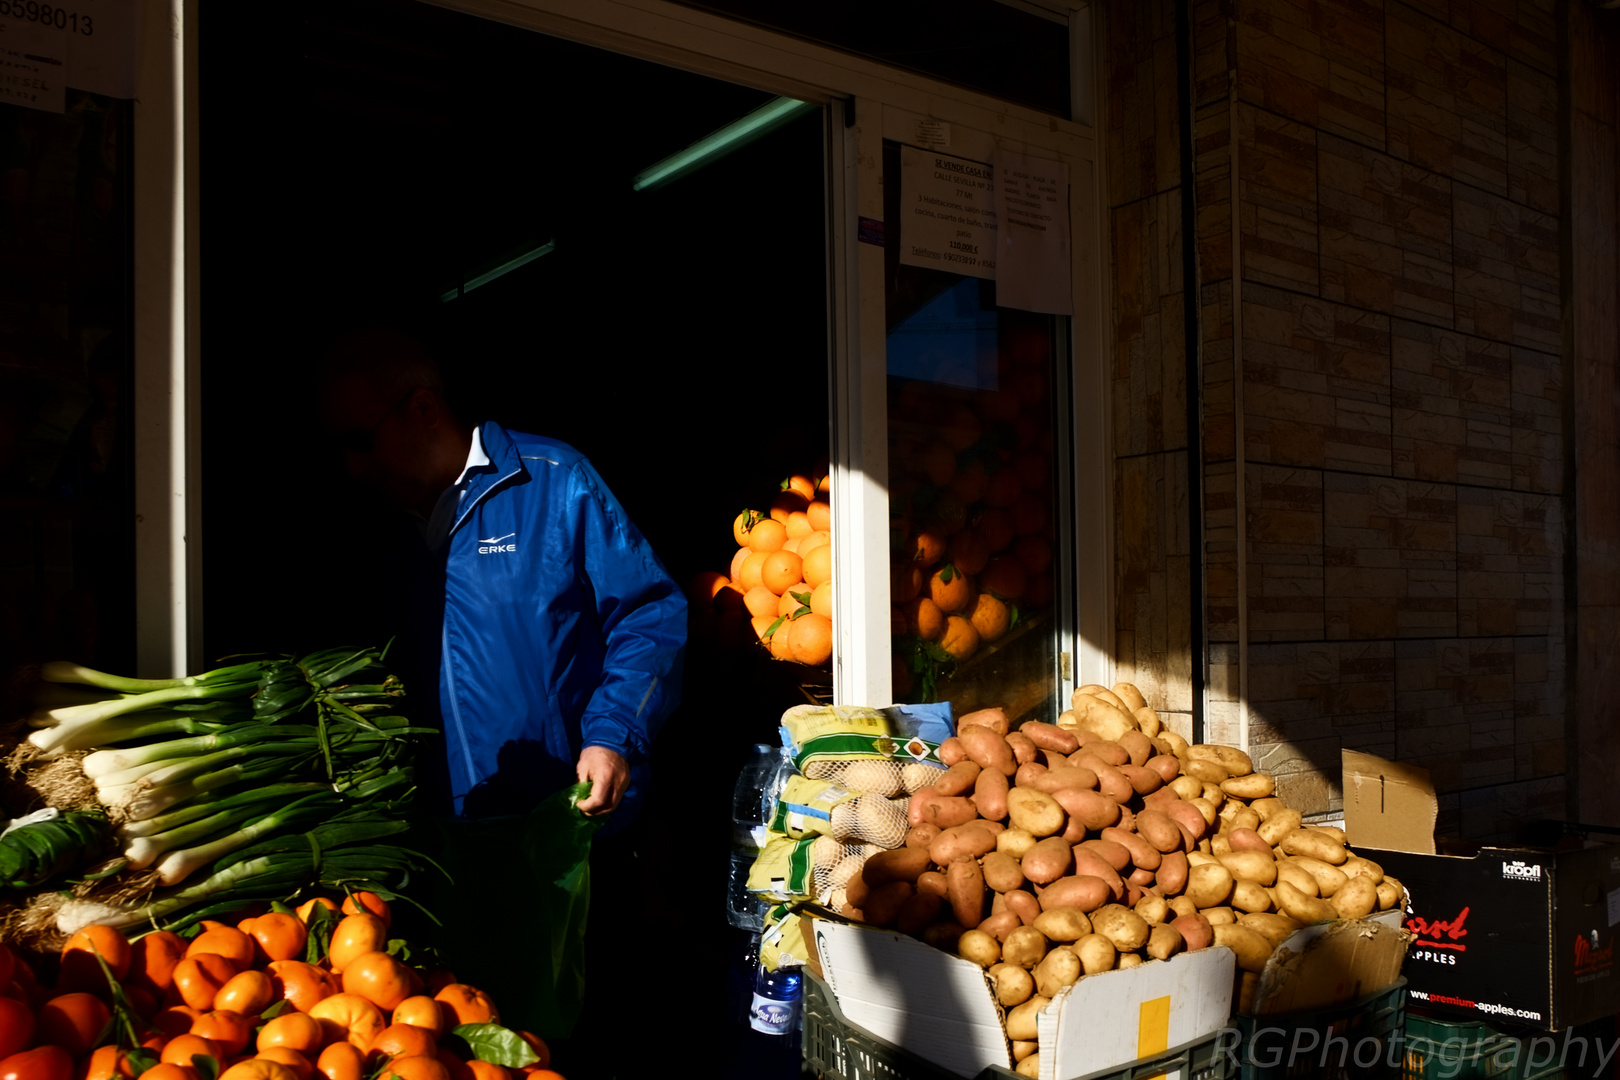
x,y
1153,1029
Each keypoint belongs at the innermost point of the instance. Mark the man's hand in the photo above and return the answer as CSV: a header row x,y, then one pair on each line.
x,y
608,774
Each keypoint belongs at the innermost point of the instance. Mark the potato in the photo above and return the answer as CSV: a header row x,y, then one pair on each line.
x,y
1251,948
1127,960
1015,842
951,753
928,806
1171,876
1098,690
1390,894
1357,898
1190,818
1025,947
1164,941
979,947
1356,866
988,749
1129,696
1034,812
1234,760
1205,769
1195,930
1255,785
970,840
1186,787
1304,909
1114,854
1153,908
1023,904
1329,879
964,889
1278,825
1317,844
1210,885
1057,969
1267,806
1023,1048
1241,839
883,906
1273,927
1141,853
1000,924
922,835
1029,1067
1250,866
1144,781
958,778
1248,896
1049,737
1290,871
1097,954
1012,984
1063,924
993,718
1219,915
901,864
1159,830
1025,752
1057,777
1021,1022
1090,864
932,883
1120,925
1047,861
1180,907
1077,890
1001,872
1092,809
943,935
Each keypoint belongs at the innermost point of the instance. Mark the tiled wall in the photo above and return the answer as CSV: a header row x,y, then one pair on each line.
x,y
1383,434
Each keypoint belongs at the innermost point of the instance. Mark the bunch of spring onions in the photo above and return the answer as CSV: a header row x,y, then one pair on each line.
x,y
199,771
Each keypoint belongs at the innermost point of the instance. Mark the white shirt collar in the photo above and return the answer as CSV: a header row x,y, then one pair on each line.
x,y
436,529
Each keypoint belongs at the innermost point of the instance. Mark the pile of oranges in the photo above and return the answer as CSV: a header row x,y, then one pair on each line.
x,y
243,996
779,589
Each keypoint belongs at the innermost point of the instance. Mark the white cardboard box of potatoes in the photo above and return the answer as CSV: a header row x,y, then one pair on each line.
x,y
939,1006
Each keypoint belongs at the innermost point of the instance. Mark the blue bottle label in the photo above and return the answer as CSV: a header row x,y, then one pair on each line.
x,y
773,1017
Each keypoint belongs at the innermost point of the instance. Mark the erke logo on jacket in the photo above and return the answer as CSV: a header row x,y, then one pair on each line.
x,y
495,546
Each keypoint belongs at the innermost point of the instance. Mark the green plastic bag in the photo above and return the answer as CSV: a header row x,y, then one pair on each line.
x,y
512,913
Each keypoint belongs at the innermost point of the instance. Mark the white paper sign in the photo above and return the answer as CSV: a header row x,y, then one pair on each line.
x,y
103,44
31,66
1032,244
1612,903
947,213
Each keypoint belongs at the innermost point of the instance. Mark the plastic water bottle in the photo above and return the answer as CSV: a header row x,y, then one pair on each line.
x,y
777,996
749,800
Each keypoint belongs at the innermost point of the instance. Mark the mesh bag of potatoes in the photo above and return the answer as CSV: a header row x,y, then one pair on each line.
x,y
888,752
1103,841
822,807
811,868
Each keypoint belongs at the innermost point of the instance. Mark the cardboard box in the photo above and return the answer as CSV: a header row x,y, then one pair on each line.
x,y
939,1006
1504,935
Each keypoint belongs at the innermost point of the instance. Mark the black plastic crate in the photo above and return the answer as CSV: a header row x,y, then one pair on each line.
x,y
1361,1039
836,1049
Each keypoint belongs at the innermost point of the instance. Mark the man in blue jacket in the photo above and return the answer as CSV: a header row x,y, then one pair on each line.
x,y
562,634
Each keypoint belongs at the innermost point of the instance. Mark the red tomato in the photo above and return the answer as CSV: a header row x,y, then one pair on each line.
x,y
40,1063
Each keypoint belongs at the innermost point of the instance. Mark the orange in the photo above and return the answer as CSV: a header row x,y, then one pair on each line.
x,y
906,580
817,564
768,535
781,569
230,1030
308,907
182,1048
469,1004
951,589
1005,576
959,639
278,936
199,978
226,941
761,625
760,601
541,1050
354,935
751,572
483,1070
802,484
925,619
737,561
820,515
254,1069
778,642
300,1064
349,1017
813,540
420,1011
417,1067
379,978
41,1063
361,900
300,983
810,639
798,525
793,598
968,551
792,542
176,1020
403,1040
16,1027
742,524
80,968
72,1021
169,1071
249,992
786,504
341,1061
292,1031
989,617
927,547
104,1063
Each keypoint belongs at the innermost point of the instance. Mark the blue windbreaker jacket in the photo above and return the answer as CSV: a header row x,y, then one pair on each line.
x,y
561,628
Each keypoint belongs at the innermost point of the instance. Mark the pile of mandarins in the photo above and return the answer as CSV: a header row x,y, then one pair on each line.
x,y
251,1002
779,590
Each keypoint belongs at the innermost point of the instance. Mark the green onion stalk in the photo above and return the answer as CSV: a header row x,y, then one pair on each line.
x,y
197,772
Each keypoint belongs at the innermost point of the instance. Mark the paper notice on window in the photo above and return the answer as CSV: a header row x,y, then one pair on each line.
x,y
1032,245
947,213
32,69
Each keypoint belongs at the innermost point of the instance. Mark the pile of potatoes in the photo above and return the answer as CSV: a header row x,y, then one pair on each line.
x,y
1100,842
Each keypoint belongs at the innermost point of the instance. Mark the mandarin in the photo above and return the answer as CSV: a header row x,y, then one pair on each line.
x,y
418,1067
817,564
230,1029
752,570
349,1017
105,1063
299,1063
354,936
170,1071
293,1030
403,1040
950,588
307,908
255,1069
80,968
821,599
198,978
469,1004
362,900
421,1011
768,535
760,601
279,936
793,598
810,639
483,1070
379,978
778,641
182,1048
341,1061
989,617
41,1063
16,1026
226,941
72,1021
249,992
960,640
301,984
781,569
